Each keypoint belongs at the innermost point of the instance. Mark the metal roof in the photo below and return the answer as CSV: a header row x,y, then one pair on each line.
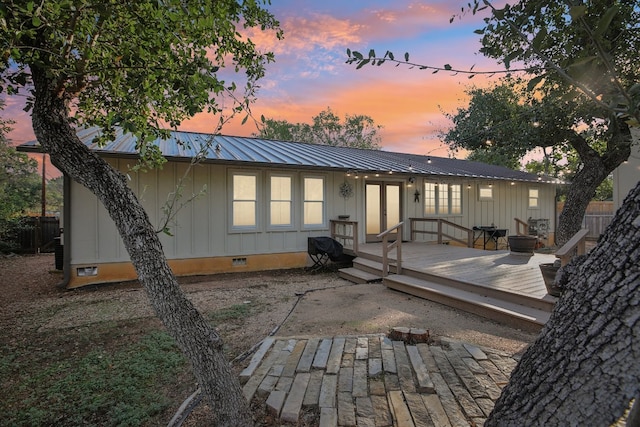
x,y
244,150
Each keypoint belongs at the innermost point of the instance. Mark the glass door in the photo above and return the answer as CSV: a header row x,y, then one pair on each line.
x,y
383,208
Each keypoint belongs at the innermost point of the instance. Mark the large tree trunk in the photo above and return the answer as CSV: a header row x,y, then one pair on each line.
x,y
199,342
595,169
583,369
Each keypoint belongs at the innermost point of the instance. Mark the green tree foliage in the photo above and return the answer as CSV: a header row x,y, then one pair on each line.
x,y
356,131
141,66
20,187
504,123
54,195
20,184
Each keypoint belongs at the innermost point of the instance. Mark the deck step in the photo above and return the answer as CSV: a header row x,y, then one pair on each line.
x,y
356,275
368,265
513,314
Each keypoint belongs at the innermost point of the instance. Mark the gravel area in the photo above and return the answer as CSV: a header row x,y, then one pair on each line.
x,y
287,303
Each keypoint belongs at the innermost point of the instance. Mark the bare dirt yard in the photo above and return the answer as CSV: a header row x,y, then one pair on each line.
x,y
38,316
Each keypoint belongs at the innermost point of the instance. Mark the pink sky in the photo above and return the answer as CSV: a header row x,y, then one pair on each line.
x,y
310,73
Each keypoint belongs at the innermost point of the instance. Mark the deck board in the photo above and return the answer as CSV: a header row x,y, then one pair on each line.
x,y
499,270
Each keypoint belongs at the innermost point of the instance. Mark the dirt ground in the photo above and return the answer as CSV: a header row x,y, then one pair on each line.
x,y
286,303
33,306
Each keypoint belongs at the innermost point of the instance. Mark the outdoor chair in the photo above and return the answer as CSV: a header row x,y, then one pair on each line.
x,y
321,250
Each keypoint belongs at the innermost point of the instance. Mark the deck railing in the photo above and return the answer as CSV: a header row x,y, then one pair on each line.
x,y
440,233
345,232
577,245
386,247
521,224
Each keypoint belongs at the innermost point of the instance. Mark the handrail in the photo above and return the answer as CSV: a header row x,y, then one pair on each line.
x,y
386,247
524,224
440,233
576,245
344,236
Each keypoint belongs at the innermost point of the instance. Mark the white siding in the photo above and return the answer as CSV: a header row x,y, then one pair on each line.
x,y
203,229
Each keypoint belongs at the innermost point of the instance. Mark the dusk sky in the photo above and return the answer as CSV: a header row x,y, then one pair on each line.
x,y
310,73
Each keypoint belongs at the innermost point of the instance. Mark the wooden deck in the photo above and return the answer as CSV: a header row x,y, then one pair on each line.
x,y
485,268
496,284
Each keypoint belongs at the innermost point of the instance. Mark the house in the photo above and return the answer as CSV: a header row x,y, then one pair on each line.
x,y
261,199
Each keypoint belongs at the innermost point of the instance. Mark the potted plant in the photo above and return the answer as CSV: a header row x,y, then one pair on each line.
x,y
549,271
522,244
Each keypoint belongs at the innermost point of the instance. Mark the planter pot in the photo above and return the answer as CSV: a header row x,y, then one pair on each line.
x,y
522,244
549,275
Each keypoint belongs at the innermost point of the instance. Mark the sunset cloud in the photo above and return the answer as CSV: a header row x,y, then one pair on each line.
x,y
310,73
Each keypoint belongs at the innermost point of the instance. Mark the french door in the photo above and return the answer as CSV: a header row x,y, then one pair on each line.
x,y
383,208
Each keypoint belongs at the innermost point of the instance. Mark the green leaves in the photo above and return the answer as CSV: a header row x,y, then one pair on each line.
x,y
136,64
358,131
605,21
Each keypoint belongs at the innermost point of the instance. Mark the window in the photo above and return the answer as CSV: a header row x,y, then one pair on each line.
x,y
442,199
430,198
313,205
280,204
245,200
534,196
456,199
485,192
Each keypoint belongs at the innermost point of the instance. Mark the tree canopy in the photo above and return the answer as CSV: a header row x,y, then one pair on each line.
x,y
145,66
20,183
356,131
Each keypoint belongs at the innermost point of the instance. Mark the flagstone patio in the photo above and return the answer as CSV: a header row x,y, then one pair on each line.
x,y
374,381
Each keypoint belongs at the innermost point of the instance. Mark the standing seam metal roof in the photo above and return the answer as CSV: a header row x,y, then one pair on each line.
x,y
181,144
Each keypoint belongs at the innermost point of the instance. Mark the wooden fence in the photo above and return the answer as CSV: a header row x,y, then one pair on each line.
x,y
39,234
596,219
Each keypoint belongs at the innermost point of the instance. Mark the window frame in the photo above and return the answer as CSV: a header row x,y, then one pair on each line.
x,y
441,202
257,207
304,201
292,192
537,198
481,189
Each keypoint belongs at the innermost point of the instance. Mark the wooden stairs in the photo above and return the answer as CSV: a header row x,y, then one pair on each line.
x,y
514,309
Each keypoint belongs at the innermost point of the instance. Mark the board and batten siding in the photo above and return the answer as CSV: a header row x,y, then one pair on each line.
x,y
202,238
509,201
202,227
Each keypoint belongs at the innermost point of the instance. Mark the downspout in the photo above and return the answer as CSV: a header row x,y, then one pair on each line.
x,y
66,234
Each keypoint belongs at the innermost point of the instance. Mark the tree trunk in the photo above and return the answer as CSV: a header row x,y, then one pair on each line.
x,y
199,342
583,368
595,169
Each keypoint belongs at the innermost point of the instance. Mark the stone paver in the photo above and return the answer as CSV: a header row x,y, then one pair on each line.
x,y
374,381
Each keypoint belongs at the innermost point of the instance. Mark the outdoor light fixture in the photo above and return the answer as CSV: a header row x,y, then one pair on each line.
x,y
429,160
